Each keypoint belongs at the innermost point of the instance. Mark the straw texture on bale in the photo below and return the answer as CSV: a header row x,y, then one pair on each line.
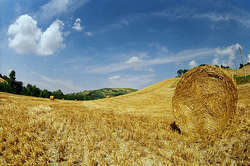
x,y
204,101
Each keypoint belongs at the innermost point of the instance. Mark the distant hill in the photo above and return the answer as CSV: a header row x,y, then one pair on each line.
x,y
239,72
111,92
99,93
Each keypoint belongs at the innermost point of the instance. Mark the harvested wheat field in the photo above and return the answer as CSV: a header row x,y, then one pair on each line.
x,y
133,129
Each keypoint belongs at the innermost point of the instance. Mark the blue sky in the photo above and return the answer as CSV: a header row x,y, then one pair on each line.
x,y
74,45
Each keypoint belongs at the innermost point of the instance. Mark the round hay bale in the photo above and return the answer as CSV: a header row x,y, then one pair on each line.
x,y
52,98
204,101
3,81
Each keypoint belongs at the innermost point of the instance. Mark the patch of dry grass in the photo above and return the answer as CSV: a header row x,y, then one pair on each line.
x,y
36,131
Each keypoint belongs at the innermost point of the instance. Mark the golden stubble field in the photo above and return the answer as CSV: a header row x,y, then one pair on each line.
x,y
133,129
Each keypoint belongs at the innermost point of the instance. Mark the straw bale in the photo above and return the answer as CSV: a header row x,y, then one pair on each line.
x,y
51,97
2,80
204,101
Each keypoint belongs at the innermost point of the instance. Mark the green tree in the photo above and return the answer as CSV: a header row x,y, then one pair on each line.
x,y
58,94
12,75
4,87
32,90
97,94
45,93
185,70
11,80
15,86
224,67
18,87
180,72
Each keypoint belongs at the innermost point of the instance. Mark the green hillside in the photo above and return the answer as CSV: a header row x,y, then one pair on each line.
x,y
98,94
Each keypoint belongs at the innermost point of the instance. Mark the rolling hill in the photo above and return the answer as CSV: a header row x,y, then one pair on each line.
x,y
105,92
132,129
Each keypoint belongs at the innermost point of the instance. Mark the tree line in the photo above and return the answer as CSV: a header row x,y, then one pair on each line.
x,y
11,85
181,72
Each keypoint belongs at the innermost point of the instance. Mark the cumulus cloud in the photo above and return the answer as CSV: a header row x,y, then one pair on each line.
x,y
248,58
25,37
192,64
227,54
56,7
77,25
51,39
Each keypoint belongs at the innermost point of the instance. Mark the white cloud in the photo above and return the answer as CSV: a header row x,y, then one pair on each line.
x,y
234,14
241,17
248,58
224,55
135,62
227,54
116,77
213,16
181,56
192,64
77,25
133,59
132,81
215,60
145,64
26,37
51,39
89,33
57,7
